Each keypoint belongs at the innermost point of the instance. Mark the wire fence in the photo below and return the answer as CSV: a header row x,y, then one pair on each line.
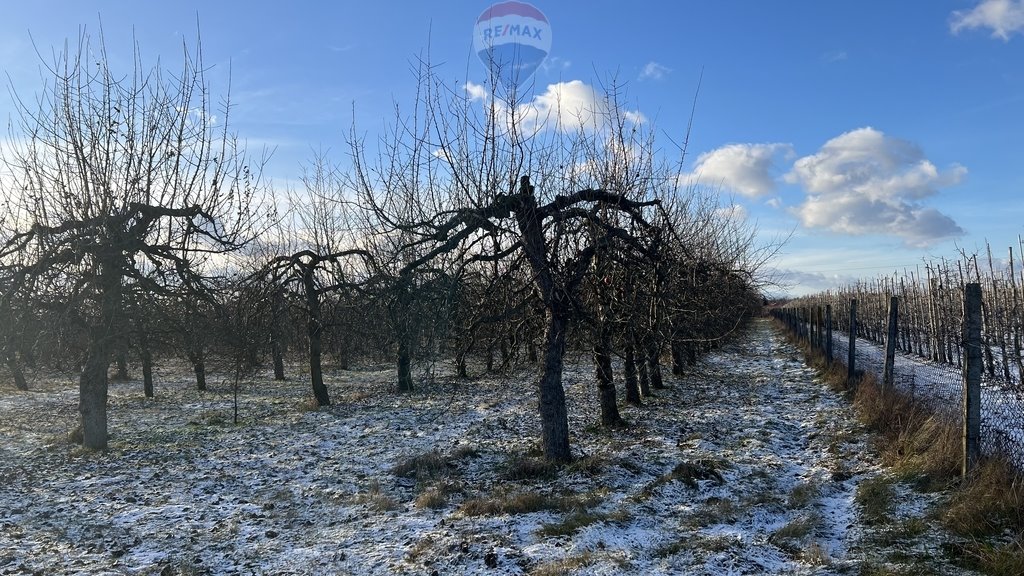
x,y
935,377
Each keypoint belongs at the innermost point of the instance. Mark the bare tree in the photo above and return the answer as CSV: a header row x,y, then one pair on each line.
x,y
323,260
459,187
114,171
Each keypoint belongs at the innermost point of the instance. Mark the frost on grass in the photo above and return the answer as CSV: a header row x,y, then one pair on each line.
x,y
745,465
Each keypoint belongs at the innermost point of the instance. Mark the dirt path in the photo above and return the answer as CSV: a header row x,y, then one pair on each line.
x,y
746,465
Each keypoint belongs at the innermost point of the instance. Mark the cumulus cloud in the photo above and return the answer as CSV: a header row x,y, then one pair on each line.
x,y
1003,17
654,71
747,169
562,106
864,182
475,91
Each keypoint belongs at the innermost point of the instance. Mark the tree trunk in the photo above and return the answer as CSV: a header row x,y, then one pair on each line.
x,y
198,359
691,354
147,364
92,392
404,365
314,331
122,365
632,381
678,359
92,384
460,365
605,379
277,333
553,413
641,369
654,366
14,365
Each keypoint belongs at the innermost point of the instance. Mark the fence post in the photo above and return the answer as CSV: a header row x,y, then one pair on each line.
x,y
816,319
828,334
821,328
972,376
851,360
890,343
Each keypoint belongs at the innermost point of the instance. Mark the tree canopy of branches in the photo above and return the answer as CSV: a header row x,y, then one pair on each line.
x,y
464,183
122,179
476,226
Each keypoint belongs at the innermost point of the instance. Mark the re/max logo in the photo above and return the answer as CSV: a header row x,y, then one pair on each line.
x,y
512,30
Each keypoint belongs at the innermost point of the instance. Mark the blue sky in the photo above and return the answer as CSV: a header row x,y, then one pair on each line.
x,y
877,132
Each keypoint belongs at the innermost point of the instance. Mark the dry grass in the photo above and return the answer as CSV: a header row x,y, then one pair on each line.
x,y
588,466
577,521
689,472
816,555
917,442
991,502
926,449
426,466
876,499
1001,559
802,495
527,502
308,404
376,499
575,563
436,497
520,467
797,529
713,511
695,542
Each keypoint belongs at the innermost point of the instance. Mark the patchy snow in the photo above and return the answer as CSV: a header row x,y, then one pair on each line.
x,y
767,462
942,386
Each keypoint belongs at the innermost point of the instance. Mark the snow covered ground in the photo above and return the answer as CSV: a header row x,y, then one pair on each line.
x,y
747,465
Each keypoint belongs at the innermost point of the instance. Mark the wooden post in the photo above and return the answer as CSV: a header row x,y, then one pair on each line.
x,y
820,312
828,334
890,343
816,313
852,348
972,376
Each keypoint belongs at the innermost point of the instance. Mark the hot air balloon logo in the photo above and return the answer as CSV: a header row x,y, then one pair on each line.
x,y
512,39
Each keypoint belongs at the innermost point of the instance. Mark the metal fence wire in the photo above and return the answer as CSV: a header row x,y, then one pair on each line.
x,y
927,368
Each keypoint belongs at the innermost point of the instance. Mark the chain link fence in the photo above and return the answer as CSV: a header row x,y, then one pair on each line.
x,y
931,373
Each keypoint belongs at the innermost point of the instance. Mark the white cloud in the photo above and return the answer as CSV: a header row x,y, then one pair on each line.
x,y
1003,17
555,64
571,104
744,168
795,283
864,182
734,212
562,106
475,91
654,71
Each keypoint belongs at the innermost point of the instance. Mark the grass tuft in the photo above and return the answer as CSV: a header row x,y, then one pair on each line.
x,y
577,521
520,467
528,502
424,466
989,504
876,499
